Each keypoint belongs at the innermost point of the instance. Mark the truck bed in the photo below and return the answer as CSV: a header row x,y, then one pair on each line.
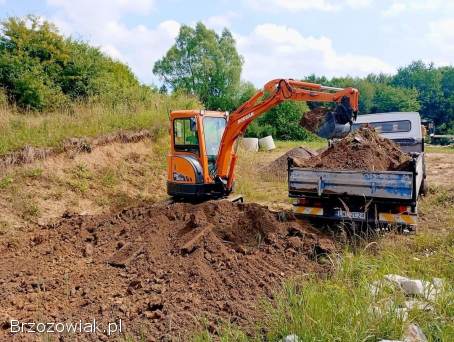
x,y
398,185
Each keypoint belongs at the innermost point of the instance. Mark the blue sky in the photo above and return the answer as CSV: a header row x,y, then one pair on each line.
x,y
278,38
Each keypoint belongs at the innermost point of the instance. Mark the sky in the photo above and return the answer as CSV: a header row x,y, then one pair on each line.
x,y
277,38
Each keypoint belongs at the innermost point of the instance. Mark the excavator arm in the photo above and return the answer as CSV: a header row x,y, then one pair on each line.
x,y
273,93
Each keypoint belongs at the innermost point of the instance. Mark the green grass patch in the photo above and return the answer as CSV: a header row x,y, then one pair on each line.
x,y
89,120
439,149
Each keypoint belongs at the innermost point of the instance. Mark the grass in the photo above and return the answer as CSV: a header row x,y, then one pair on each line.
x,y
87,120
439,149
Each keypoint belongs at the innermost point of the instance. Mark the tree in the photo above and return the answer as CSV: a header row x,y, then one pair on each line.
x,y
392,99
427,80
204,64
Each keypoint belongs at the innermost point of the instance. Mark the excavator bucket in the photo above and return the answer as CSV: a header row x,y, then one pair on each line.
x,y
328,123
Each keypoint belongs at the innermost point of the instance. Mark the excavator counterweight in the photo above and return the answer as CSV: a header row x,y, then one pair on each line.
x,y
202,158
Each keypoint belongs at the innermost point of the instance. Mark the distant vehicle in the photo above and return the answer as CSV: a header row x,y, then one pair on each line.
x,y
374,198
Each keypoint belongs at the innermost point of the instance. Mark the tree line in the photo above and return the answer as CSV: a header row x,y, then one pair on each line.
x,y
41,70
208,65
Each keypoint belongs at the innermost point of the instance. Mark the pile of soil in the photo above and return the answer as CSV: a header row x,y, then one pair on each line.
x,y
363,149
313,119
163,269
278,167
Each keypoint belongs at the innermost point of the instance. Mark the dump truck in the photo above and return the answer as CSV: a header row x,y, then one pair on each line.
x,y
372,198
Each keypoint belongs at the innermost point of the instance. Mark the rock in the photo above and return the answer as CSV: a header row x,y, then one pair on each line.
x,y
295,243
413,304
88,250
414,334
395,278
438,283
291,338
155,303
414,287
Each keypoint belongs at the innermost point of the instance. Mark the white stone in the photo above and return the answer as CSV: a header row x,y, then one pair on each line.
x,y
418,304
414,334
395,278
438,283
414,287
291,338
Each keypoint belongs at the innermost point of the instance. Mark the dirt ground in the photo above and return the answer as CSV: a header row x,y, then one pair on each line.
x,y
440,168
164,270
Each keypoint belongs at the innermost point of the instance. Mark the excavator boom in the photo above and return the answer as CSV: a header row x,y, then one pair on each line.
x,y
275,92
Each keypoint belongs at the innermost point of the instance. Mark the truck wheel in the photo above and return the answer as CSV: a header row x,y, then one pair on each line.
x,y
424,188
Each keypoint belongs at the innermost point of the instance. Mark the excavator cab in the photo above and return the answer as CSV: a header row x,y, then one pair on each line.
x,y
195,140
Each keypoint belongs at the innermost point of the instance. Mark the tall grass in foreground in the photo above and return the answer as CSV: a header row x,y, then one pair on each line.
x,y
92,119
341,307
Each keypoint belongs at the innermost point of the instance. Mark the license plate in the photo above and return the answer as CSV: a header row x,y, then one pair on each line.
x,y
351,214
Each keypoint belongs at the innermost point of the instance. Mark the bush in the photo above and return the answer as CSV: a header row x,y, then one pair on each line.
x,y
42,70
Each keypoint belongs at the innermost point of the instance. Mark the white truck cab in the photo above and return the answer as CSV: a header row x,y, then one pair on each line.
x,y
404,128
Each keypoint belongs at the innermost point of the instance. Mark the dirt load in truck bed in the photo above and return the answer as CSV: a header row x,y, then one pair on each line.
x,y
162,268
363,149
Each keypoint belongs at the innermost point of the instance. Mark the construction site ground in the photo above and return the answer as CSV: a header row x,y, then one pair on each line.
x,y
91,236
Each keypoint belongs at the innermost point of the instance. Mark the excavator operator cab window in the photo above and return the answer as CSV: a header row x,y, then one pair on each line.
x,y
213,129
185,135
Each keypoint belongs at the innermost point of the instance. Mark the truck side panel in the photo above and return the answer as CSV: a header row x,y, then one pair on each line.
x,y
392,185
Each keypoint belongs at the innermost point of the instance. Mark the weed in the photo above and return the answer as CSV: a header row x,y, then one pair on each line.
x,y
26,206
5,182
33,172
109,177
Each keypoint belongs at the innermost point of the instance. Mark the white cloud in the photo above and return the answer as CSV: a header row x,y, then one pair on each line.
x,y
219,22
274,51
100,22
397,7
441,37
306,5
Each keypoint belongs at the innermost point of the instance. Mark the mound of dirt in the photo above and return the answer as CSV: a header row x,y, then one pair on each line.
x,y
161,268
313,119
363,149
278,167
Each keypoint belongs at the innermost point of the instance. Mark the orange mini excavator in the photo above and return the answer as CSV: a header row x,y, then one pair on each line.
x,y
202,158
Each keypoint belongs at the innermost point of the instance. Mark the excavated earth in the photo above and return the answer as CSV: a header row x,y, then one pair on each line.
x,y
313,119
166,270
363,149
278,168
